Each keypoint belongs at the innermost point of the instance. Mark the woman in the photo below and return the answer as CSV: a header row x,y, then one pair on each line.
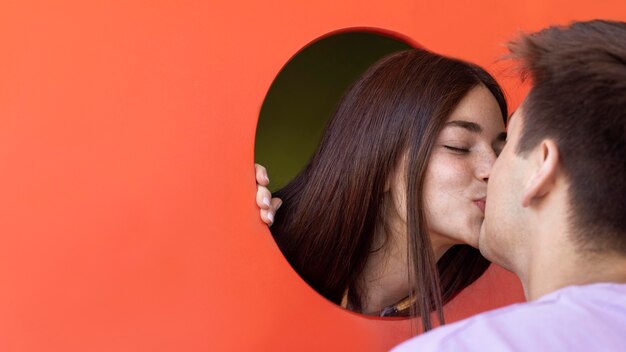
x,y
385,217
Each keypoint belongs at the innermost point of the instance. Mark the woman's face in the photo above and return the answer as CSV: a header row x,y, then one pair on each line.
x,y
455,186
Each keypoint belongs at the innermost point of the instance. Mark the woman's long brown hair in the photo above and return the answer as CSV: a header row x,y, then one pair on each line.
x,y
332,208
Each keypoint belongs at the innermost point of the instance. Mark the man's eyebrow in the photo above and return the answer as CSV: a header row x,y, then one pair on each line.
x,y
470,126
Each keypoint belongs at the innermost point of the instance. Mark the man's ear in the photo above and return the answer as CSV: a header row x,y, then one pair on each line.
x,y
545,162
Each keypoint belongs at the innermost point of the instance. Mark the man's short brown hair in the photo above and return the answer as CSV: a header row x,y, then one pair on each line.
x,y
578,99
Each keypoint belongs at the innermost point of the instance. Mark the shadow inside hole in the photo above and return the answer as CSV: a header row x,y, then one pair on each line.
x,y
304,95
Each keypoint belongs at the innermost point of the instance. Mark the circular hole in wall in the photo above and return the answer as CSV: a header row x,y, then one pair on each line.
x,y
303,97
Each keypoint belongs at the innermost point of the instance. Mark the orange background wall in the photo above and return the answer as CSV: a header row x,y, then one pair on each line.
x,y
127,215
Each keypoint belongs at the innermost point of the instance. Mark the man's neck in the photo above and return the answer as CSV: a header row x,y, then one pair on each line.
x,y
575,267
554,259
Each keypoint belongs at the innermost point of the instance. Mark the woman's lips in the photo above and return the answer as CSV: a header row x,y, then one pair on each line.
x,y
480,203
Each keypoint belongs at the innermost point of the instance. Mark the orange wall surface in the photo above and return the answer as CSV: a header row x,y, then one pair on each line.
x,y
127,213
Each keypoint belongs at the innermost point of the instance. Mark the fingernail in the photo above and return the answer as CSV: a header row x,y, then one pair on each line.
x,y
278,206
270,216
267,179
266,201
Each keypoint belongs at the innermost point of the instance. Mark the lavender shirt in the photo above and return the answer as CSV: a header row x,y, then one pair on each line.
x,y
575,318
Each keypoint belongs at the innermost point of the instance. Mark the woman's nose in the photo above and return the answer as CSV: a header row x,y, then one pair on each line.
x,y
484,164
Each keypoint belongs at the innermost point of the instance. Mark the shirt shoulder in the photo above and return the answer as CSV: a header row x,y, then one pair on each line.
x,y
563,320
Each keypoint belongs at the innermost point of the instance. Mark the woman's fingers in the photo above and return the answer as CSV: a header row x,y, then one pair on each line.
x,y
276,203
267,215
264,200
263,197
261,175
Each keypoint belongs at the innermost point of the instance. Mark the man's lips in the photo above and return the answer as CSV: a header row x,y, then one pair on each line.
x,y
480,203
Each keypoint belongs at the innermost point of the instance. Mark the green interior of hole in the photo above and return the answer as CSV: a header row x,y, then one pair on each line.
x,y
304,95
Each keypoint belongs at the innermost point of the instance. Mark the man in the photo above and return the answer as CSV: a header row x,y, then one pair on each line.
x,y
556,203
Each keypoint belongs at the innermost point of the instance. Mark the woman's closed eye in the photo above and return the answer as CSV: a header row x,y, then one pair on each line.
x,y
455,149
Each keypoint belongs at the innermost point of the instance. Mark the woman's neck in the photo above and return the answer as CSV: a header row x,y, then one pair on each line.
x,y
385,278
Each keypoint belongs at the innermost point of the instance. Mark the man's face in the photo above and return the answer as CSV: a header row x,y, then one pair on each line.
x,y
502,237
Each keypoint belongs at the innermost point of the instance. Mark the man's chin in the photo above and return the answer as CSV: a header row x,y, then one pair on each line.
x,y
489,249
483,241
481,232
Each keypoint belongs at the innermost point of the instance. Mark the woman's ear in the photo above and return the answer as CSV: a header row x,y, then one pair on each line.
x,y
389,181
396,175
544,160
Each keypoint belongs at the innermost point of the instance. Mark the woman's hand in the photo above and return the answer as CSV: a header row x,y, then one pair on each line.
x,y
264,200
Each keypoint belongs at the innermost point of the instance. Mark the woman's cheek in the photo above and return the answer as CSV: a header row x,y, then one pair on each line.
x,y
448,208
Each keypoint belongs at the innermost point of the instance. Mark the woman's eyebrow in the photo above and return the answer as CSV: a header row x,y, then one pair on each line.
x,y
474,128
470,126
